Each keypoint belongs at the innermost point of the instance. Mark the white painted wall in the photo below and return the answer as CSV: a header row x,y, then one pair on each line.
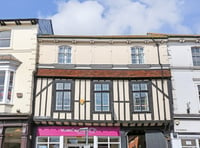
x,y
183,78
23,47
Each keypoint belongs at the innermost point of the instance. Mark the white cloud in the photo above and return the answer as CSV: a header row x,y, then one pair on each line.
x,y
118,17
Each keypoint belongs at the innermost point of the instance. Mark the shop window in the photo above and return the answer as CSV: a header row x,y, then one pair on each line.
x,y
137,55
73,142
6,86
140,96
196,56
63,95
5,38
64,55
12,138
48,142
102,96
108,142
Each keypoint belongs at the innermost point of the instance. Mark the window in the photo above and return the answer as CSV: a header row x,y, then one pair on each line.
x,y
6,85
48,142
64,55
5,38
108,142
63,95
196,56
140,96
137,55
12,137
188,143
102,92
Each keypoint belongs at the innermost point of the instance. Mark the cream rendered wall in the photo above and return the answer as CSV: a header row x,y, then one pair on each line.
x,y
23,47
102,53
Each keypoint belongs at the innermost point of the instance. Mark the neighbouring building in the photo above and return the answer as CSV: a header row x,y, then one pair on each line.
x,y
184,57
102,92
18,49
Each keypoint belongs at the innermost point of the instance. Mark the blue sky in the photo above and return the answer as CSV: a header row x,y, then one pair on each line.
x,y
97,17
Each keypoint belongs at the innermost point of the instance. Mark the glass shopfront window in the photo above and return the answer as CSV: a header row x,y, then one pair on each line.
x,y
48,142
12,137
108,142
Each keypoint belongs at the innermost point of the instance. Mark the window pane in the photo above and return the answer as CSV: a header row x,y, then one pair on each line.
x,y
59,100
64,55
103,139
105,98
137,55
5,34
97,108
97,87
42,139
5,38
114,139
59,86
67,86
12,138
4,43
97,98
105,86
105,108
135,87
2,78
67,100
53,145
54,139
143,86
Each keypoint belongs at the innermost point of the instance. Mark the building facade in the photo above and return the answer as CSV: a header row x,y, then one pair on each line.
x,y
184,57
102,92
18,48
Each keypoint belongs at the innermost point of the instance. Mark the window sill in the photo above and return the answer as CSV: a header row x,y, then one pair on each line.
x,y
5,48
6,104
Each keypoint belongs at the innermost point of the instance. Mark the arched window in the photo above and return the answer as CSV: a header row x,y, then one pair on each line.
x,y
137,55
64,55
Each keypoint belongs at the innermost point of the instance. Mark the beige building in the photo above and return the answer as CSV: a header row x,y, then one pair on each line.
x,y
114,91
18,49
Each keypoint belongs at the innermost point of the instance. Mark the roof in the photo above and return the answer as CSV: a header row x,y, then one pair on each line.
x,y
45,25
175,35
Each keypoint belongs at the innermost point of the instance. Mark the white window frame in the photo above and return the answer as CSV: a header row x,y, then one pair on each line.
x,y
137,57
7,70
66,54
48,141
2,38
195,56
96,141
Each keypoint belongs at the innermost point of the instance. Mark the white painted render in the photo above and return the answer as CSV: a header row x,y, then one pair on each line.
x,y
23,47
185,78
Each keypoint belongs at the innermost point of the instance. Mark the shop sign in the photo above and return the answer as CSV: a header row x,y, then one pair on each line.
x,y
76,131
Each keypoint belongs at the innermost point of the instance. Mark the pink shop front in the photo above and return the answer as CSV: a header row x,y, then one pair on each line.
x,y
77,137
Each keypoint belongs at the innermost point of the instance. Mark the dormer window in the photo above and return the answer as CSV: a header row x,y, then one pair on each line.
x,y
64,55
137,55
5,38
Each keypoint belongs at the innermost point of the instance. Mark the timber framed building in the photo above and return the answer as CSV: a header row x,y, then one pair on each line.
x,y
102,91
